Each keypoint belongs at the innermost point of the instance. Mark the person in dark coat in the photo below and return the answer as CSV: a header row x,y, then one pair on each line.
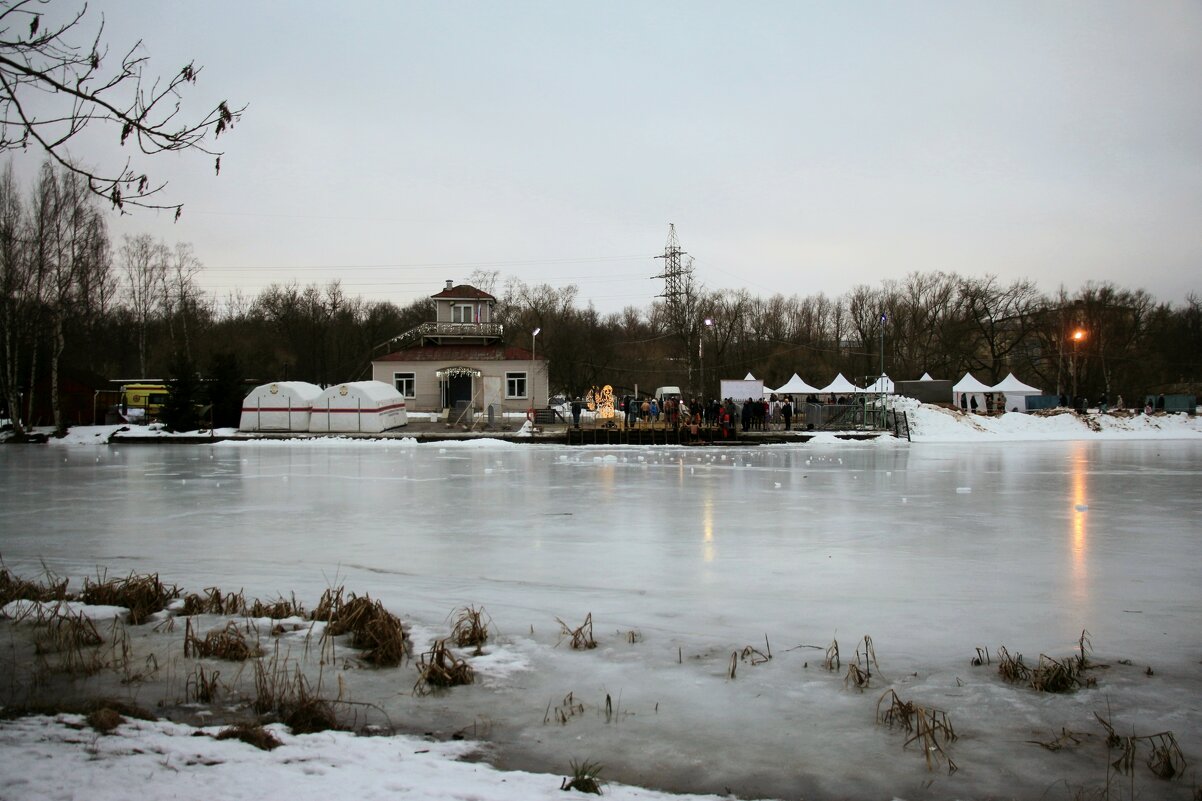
x,y
576,412
786,413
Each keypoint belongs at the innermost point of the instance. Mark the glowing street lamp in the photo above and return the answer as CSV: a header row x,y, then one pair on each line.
x,y
709,323
1078,336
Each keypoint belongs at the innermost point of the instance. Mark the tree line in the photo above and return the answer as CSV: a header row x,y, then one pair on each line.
x,y
74,303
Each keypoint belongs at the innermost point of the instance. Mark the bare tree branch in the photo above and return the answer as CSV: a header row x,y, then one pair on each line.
x,y
80,92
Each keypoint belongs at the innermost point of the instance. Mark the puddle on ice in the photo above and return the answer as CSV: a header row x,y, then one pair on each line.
x,y
684,558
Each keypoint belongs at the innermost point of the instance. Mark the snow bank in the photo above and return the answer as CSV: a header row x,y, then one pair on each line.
x,y
930,423
60,757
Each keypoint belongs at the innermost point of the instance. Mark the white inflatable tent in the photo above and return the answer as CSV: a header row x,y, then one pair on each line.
x,y
367,407
282,406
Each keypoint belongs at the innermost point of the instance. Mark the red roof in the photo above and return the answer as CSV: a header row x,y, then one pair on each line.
x,y
463,292
460,353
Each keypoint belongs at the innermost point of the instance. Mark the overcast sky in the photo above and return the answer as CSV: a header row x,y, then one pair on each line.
x,y
798,147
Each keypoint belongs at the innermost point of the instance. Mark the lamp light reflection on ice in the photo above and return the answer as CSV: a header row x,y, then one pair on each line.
x,y
1080,519
707,527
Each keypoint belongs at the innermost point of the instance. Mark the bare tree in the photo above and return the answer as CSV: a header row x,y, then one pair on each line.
x,y
56,81
74,250
182,297
145,263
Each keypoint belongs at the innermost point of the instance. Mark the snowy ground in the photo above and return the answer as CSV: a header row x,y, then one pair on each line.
x,y
966,538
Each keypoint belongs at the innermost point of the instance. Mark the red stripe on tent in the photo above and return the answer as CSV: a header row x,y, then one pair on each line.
x,y
277,408
381,410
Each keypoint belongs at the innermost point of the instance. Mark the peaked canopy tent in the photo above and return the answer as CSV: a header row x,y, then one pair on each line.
x,y
795,386
968,389
1016,393
282,406
360,406
926,377
882,384
840,386
749,377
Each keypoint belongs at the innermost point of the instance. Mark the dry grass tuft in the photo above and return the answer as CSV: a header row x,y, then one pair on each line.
x,y
288,695
228,643
859,673
214,602
831,661
929,727
439,669
1012,668
104,719
1165,758
141,595
469,628
14,588
278,609
581,637
251,733
585,778
202,686
373,629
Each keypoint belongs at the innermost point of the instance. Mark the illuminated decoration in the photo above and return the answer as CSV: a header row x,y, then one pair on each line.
x,y
458,372
275,389
601,401
343,390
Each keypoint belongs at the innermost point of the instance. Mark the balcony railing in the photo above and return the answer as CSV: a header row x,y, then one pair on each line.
x,y
450,330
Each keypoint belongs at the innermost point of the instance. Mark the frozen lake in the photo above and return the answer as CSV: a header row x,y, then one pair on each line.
x,y
932,550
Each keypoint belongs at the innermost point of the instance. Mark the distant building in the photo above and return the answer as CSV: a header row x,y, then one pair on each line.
x,y
461,359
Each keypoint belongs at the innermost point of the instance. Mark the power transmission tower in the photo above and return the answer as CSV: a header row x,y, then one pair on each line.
x,y
679,296
676,277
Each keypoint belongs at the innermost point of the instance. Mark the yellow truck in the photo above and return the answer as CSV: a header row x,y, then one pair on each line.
x,y
147,397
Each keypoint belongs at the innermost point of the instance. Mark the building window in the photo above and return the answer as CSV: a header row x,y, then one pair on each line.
x,y
406,384
462,313
515,385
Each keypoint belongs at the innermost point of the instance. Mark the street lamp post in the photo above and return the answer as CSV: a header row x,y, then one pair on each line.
x,y
884,319
533,365
1077,337
709,323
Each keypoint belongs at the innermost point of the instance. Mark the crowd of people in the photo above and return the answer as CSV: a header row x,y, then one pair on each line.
x,y
728,416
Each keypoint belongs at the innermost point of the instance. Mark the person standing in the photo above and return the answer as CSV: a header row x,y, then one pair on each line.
x,y
786,413
576,412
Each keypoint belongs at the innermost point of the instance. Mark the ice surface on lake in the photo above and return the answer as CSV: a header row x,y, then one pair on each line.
x,y
932,550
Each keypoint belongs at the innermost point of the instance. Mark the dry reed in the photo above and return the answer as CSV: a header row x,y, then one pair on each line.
x,y
440,669
581,637
141,595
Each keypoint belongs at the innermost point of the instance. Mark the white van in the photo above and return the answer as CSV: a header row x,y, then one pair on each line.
x,y
663,393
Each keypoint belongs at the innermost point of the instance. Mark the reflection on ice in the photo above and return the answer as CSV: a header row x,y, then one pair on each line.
x,y
701,551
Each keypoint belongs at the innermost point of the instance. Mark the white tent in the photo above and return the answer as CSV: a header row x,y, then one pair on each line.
x,y
282,406
882,384
968,389
1015,392
749,377
840,386
926,377
364,406
795,386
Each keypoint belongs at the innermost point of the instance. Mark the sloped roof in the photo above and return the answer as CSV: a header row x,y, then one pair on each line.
x,y
883,384
796,386
1012,386
970,384
376,391
926,377
460,353
295,390
838,386
749,377
463,292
